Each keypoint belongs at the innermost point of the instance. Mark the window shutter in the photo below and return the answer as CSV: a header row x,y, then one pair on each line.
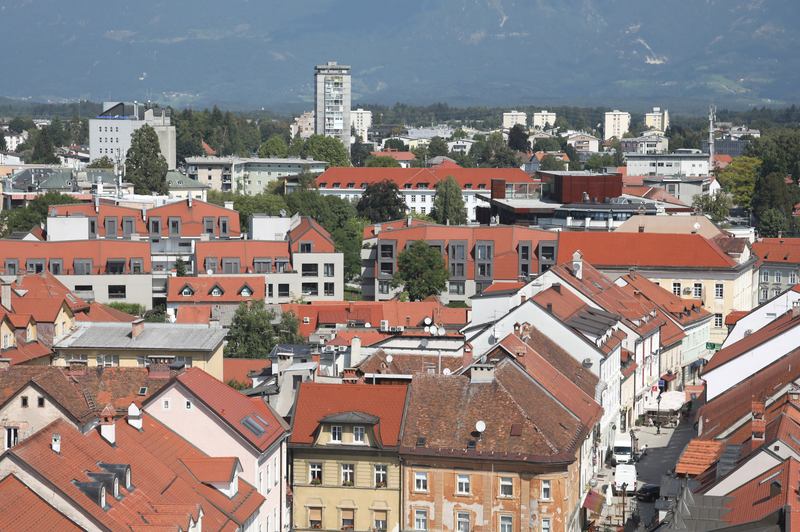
x,y
347,514
315,514
380,515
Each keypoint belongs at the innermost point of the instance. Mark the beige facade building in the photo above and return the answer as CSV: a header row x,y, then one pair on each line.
x,y
542,118
617,123
515,118
658,119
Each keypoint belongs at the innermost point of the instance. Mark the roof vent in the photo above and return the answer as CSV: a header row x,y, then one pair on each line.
x,y
420,442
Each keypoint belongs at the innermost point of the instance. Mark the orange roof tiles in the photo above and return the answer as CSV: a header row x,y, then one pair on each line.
x,y
194,314
643,250
315,401
496,287
202,287
98,312
475,177
100,251
233,407
405,364
238,368
369,231
394,154
735,316
310,231
698,456
44,285
105,211
245,250
208,469
755,500
23,510
192,217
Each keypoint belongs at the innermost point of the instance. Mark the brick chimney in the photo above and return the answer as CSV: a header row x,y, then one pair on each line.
x,y
77,367
159,367
759,423
137,328
632,273
177,368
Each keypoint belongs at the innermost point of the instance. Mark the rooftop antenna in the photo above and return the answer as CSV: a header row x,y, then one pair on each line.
x,y
480,426
712,115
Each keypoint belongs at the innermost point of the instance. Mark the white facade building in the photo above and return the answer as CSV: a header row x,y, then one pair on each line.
x,y
617,123
542,118
362,121
658,119
514,118
668,164
332,102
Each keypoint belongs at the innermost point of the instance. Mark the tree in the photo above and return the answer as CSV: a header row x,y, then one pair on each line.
x,y
34,215
383,162
395,144
518,139
381,202
421,271
438,147
255,331
551,163
739,177
770,192
180,267
44,151
501,155
57,132
297,148
545,145
3,146
448,203
616,149
718,205
359,152
597,161
327,149
102,162
772,222
274,147
145,167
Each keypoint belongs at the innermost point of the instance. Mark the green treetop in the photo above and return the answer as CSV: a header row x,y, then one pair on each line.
x,y
448,204
381,202
145,167
254,333
421,271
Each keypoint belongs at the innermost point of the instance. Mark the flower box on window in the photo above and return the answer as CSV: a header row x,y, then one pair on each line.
x,y
381,484
316,481
347,483
348,527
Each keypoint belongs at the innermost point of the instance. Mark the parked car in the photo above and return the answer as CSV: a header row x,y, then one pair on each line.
x,y
625,474
648,492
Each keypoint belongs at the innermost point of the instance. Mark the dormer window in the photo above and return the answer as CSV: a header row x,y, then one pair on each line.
x,y
358,435
336,434
246,292
187,292
116,488
102,500
216,292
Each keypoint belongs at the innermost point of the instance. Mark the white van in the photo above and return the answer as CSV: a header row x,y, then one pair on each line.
x,y
625,474
623,452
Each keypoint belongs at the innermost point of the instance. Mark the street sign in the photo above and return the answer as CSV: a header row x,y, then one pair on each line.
x,y
660,384
712,345
654,389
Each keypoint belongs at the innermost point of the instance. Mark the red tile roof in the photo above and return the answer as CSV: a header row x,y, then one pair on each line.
x,y
245,250
777,251
194,314
414,176
23,510
192,217
658,250
100,251
541,155
44,285
310,231
101,313
208,469
562,361
202,287
234,407
105,211
698,456
404,364
315,401
779,326
25,352
497,287
369,231
754,500
42,310
658,194
735,316
447,164
238,368
208,149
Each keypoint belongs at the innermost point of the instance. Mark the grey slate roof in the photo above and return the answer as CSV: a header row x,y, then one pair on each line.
x,y
155,337
176,179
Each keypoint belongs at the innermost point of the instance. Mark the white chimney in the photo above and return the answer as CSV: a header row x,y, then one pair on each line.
x,y
229,205
107,424
5,295
56,443
135,416
577,265
355,350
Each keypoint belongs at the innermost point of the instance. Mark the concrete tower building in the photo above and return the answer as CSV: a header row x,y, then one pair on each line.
x,y
332,101
617,124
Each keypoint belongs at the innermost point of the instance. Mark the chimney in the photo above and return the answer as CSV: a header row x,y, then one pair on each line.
x,y
315,358
5,295
158,367
137,327
77,367
177,368
632,273
229,205
795,309
135,417
5,363
213,322
107,425
20,277
481,373
557,287
780,234
758,424
55,443
377,228
577,265
794,395
516,329
409,221
355,350
549,308
189,201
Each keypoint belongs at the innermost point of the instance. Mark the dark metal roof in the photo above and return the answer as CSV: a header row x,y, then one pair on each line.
x,y
359,418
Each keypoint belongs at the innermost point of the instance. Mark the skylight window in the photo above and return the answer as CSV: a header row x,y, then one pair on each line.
x,y
253,427
261,420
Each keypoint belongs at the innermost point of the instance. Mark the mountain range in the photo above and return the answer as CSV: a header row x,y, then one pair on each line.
x,y
262,53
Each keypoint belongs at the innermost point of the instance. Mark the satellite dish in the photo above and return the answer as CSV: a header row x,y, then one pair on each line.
x,y
434,329
368,325
209,272
696,226
389,358
424,343
441,332
427,329
427,321
446,371
480,426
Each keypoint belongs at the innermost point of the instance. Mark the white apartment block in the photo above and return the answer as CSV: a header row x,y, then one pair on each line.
x,y
667,164
514,118
362,121
617,123
110,133
658,119
541,119
332,102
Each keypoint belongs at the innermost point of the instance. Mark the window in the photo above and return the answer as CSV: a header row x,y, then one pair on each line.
x,y
314,518
310,270
506,523
387,251
310,289
698,290
484,252
305,247
283,290
315,473
108,360
267,476
457,288
56,266
523,252
420,481
115,267
136,266
718,320
187,405
676,288
387,268
24,401
35,265
358,434
116,291
348,474
174,227
545,525
793,277
275,469
111,226
462,521
381,477
546,490
269,290
380,520
383,287
275,519
422,209
719,290
506,486
329,289
262,266
462,484
223,227
12,266
83,266
765,293
420,519
336,433
329,270
348,518
765,276
261,481
216,292
208,226
778,276
166,403
776,292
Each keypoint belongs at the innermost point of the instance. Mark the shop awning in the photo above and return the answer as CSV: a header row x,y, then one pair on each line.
x,y
670,401
696,363
594,502
668,377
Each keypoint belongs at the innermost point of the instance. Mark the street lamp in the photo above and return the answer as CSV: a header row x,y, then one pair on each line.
x,y
658,415
624,491
633,440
